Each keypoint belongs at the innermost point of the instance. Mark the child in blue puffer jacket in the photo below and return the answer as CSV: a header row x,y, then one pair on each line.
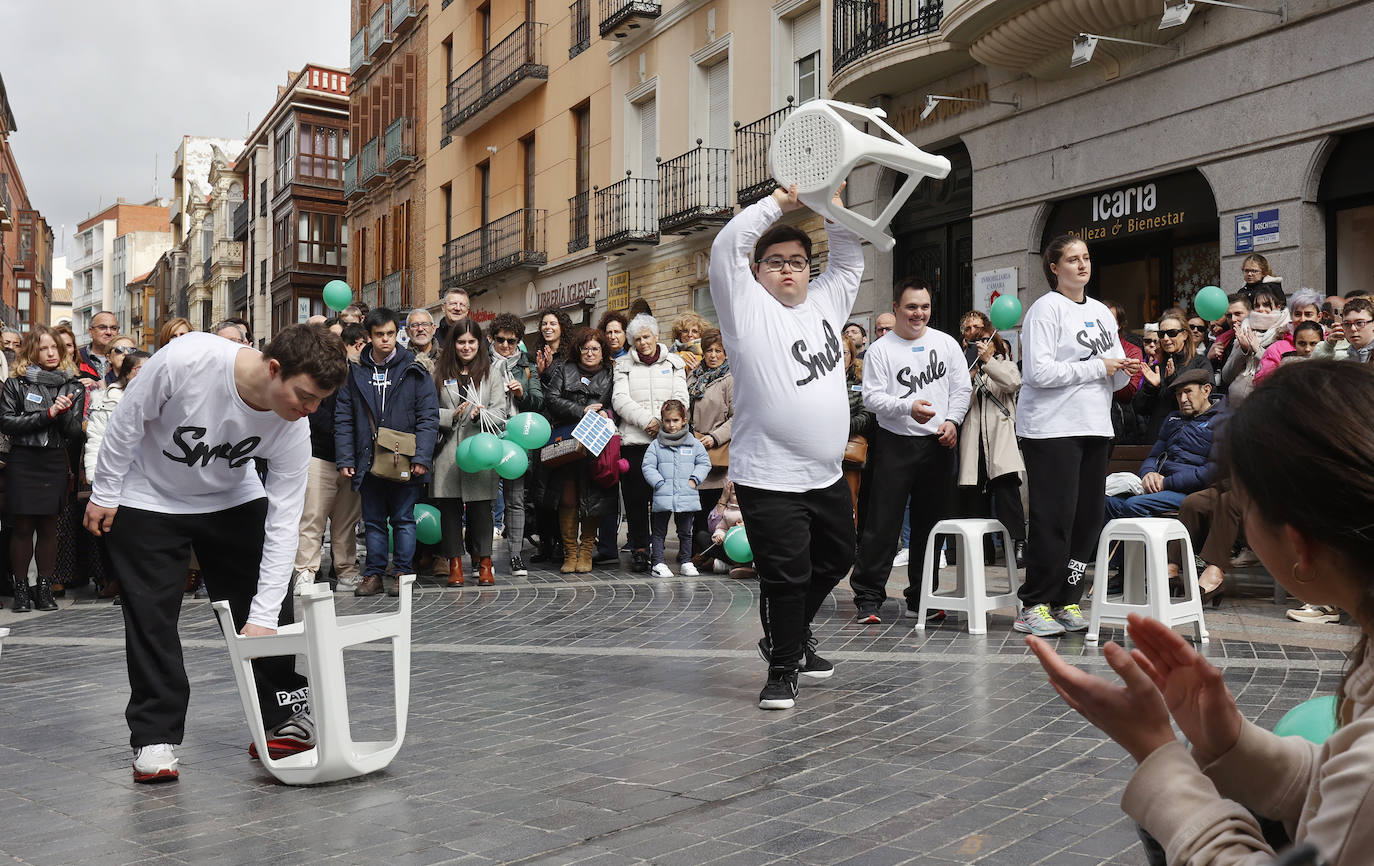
x,y
674,465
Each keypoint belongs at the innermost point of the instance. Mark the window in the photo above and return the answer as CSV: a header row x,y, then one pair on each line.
x,y
806,55
320,152
262,200
808,77
262,276
282,238
318,239
281,154
647,112
718,104
582,120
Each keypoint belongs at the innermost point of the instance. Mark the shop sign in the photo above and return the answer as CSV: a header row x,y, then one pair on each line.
x,y
302,310
618,291
566,289
1180,201
1267,227
988,286
907,118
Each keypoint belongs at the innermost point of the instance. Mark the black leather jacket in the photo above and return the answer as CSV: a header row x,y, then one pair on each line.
x,y
24,412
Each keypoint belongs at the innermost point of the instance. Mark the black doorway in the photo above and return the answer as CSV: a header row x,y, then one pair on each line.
x,y
934,234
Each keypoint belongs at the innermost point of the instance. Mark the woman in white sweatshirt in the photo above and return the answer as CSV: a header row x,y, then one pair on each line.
x,y
1071,363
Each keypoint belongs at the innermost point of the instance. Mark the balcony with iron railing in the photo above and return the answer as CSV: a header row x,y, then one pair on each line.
x,y
395,290
580,20
516,240
6,204
877,44
403,14
358,58
400,141
620,18
370,169
243,215
627,213
753,178
694,190
579,221
499,80
378,30
369,294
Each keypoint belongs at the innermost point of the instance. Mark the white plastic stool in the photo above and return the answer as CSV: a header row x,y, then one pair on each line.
x,y
321,638
817,147
4,633
1145,575
970,593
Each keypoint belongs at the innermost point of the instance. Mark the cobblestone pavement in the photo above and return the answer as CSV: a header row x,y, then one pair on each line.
x,y
611,719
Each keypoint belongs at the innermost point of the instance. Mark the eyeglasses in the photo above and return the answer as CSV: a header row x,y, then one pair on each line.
x,y
506,341
1201,329
591,348
123,350
1170,333
104,327
1149,341
1251,271
1356,324
773,264
881,330
420,326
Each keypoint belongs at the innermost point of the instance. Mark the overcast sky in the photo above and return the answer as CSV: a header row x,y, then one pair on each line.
x,y
100,89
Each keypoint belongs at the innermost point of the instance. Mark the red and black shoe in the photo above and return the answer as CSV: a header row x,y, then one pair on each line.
x,y
295,735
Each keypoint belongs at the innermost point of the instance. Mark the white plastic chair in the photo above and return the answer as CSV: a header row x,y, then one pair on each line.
x,y
1145,575
970,593
818,146
4,633
321,637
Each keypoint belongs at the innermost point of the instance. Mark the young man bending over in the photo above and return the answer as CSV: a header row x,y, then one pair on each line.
x,y
791,422
176,474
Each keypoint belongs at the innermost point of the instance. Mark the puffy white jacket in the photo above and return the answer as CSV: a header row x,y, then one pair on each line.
x,y
641,390
95,424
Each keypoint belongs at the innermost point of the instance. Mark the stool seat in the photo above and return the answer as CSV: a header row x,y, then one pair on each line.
x,y
970,593
321,637
4,633
1145,575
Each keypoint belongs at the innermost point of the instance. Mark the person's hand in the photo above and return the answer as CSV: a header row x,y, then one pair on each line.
x,y
418,469
346,471
948,434
690,361
251,630
703,440
1169,368
1215,353
591,407
652,427
985,349
514,387
1247,340
98,518
1115,365
1336,333
1193,690
921,411
60,405
543,358
1133,714
1153,482
462,410
692,482
1151,373
836,199
474,411
787,198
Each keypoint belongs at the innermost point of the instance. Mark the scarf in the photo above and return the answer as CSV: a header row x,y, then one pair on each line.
x,y
650,359
39,376
703,377
672,440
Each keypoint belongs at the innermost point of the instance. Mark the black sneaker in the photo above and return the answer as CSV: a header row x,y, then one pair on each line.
x,y
813,665
605,557
932,614
640,562
780,692
868,615
517,566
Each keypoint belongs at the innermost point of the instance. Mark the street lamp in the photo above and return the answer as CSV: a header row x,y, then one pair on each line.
x,y
1084,44
932,100
1176,12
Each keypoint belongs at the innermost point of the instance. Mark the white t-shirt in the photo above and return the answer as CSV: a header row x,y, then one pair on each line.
x,y
791,410
1065,390
182,441
899,372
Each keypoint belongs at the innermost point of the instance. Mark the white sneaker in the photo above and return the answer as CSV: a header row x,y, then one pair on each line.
x,y
305,578
687,569
662,570
902,558
720,567
347,584
156,763
1315,613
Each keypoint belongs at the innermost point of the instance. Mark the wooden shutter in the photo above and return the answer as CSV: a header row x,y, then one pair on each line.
x,y
718,104
806,34
410,85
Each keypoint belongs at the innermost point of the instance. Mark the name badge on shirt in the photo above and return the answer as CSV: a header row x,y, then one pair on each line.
x,y
858,389
918,348
34,398
1090,324
586,381
379,378
686,449
451,383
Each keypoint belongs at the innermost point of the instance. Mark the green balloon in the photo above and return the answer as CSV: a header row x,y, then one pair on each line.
x,y
528,429
736,545
485,451
1210,303
1005,312
427,529
337,295
460,454
1313,720
514,461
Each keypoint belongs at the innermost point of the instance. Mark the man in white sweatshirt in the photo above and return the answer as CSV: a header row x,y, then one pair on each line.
x,y
916,384
791,422
176,474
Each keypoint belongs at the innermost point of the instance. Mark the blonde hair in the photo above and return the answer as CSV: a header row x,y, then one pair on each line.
x,y
28,351
164,336
686,321
856,363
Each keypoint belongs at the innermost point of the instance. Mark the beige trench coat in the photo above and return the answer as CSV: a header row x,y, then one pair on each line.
x,y
988,427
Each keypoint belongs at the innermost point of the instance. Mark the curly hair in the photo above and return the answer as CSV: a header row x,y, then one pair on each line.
x,y
687,320
506,322
565,329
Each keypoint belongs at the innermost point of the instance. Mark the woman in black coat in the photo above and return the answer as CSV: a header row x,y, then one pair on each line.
x,y
580,385
41,407
1154,400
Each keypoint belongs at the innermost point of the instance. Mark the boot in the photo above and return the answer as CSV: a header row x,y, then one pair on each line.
x,y
455,571
485,577
43,599
587,545
21,595
1019,553
567,526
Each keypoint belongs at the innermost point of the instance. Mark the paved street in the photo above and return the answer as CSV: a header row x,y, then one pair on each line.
x,y
607,719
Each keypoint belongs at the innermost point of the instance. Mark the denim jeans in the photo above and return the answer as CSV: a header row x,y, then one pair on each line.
x,y
1144,505
387,501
